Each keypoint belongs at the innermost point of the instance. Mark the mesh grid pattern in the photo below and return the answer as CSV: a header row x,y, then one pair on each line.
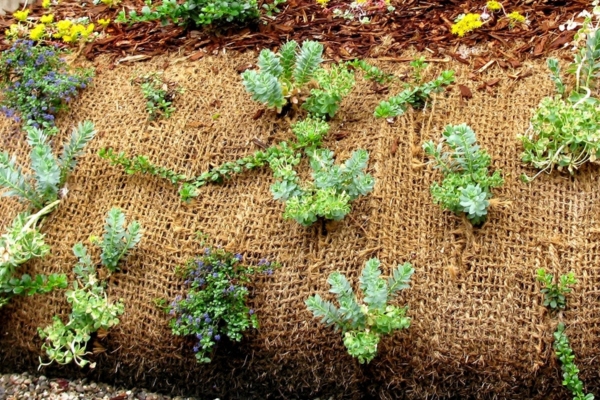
x,y
478,323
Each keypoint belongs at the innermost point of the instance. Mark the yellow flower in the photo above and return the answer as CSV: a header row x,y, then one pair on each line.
x,y
37,32
12,31
493,6
516,17
21,15
47,19
77,29
360,1
64,26
111,3
68,39
103,22
323,3
466,24
46,3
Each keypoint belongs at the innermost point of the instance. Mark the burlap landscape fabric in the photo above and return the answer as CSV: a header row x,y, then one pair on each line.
x,y
478,329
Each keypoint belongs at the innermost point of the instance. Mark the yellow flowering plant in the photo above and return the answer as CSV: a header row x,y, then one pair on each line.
x,y
70,32
493,6
67,30
467,23
111,3
38,32
47,19
15,31
103,22
46,3
515,18
21,15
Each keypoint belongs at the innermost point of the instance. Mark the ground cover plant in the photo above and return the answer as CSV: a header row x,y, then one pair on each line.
x,y
21,243
327,197
284,78
565,129
371,72
23,240
198,12
467,183
363,324
216,303
555,293
555,298
37,84
91,309
159,95
416,95
330,193
46,28
565,355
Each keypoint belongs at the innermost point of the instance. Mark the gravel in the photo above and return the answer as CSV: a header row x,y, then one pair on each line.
x,y
26,386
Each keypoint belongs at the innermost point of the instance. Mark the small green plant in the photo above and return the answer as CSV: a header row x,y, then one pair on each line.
x,y
195,12
22,242
272,8
415,97
216,302
363,324
334,84
565,130
467,182
159,95
371,72
49,173
554,293
91,309
418,65
140,165
555,298
565,355
118,240
330,193
283,75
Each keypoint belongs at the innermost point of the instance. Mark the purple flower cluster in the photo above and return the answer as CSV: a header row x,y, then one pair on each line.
x,y
266,265
215,303
36,84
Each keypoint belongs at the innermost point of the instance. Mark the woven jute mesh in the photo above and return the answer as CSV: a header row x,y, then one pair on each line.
x,y
478,326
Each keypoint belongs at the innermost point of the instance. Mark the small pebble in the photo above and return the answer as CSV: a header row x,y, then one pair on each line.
x,y
25,386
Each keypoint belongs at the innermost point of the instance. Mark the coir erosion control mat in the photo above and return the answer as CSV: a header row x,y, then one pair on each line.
x,y
479,329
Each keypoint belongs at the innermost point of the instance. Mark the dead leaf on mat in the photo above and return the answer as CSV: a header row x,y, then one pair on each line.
x,y
465,92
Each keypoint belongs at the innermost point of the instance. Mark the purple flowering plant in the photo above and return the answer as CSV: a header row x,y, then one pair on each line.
x,y
215,305
36,83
